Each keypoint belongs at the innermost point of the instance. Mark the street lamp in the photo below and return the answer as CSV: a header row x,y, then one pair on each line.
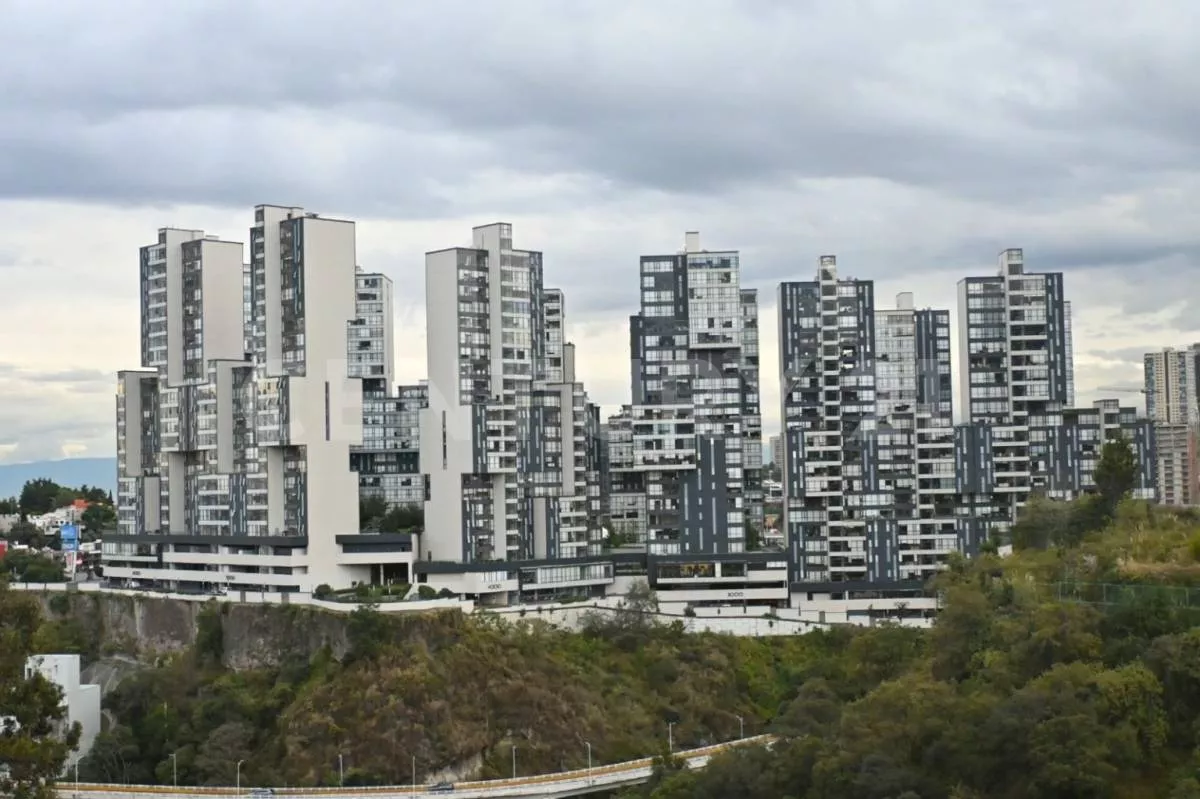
x,y
239,777
671,737
341,772
741,727
174,770
514,759
589,771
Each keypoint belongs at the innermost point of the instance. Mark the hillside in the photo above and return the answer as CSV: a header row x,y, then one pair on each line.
x,y
289,689
1071,669
100,472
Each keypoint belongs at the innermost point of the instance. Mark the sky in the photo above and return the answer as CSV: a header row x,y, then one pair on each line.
x,y
913,140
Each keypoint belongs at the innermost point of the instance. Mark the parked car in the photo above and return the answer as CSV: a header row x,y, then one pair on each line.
x,y
441,787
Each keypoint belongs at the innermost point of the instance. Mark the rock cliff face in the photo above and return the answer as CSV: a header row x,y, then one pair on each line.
x,y
147,626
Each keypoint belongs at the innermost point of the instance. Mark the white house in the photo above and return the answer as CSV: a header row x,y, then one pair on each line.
x,y
82,701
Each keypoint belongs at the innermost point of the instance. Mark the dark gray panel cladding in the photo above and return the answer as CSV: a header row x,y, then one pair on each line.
x,y
866,327
145,315
1145,449
705,502
1056,326
1059,464
972,533
797,344
974,470
933,379
237,504
883,550
636,359
479,464
525,530
553,525
535,445
464,502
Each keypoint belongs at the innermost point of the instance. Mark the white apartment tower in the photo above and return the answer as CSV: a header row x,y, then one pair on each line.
x,y
234,465
497,437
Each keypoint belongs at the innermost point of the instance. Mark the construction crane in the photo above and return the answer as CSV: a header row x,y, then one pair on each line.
x,y
1120,390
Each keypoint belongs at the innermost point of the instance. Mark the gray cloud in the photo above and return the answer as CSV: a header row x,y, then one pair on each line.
x,y
913,140
71,376
949,95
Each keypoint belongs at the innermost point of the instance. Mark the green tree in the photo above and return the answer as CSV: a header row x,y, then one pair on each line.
x,y
370,511
1116,472
25,566
98,518
403,519
39,496
9,507
29,535
753,538
34,737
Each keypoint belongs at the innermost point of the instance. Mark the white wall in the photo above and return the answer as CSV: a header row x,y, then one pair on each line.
x,y
442,539
221,280
329,305
82,701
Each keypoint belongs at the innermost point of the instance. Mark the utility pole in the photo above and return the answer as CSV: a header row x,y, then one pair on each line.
x,y
174,770
341,772
671,737
514,760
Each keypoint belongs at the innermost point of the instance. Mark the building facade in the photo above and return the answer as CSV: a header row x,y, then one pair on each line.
x,y
1173,405
696,425
1015,372
505,432
81,701
235,464
868,437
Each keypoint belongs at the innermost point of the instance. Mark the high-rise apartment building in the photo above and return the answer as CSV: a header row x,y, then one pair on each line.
x,y
234,464
388,460
1017,384
1172,390
1173,405
868,438
627,500
696,426
502,436
1015,372
776,446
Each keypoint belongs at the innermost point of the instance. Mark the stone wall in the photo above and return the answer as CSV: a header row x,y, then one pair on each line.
x,y
149,626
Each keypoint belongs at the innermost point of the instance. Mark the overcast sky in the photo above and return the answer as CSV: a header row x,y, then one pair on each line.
x,y
913,139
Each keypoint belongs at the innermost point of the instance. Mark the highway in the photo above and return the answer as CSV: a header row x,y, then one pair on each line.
x,y
579,782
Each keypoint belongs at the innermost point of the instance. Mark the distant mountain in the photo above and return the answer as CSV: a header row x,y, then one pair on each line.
x,y
99,472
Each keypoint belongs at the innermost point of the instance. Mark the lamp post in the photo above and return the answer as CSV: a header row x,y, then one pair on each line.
x,y
174,770
239,777
341,772
414,765
513,747
671,737
741,727
589,771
